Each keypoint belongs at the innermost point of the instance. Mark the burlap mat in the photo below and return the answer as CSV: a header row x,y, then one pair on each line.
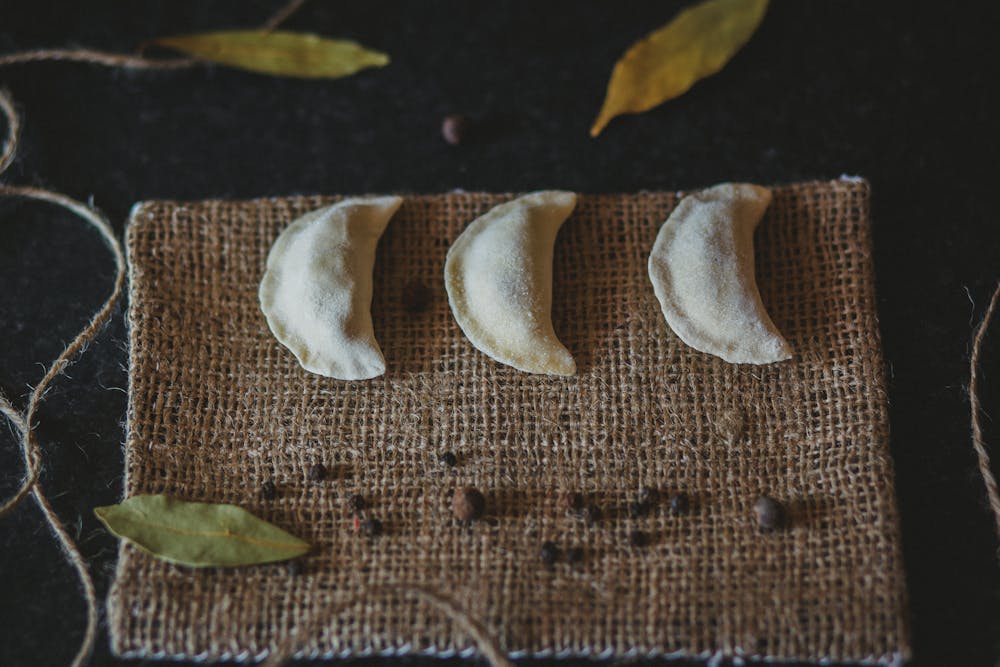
x,y
217,406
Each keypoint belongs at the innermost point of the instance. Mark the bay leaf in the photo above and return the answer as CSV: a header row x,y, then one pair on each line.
x,y
667,62
199,534
278,52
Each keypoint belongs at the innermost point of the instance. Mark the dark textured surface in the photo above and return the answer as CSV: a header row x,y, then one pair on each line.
x,y
891,91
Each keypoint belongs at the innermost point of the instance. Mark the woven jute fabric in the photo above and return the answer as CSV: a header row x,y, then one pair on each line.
x,y
217,406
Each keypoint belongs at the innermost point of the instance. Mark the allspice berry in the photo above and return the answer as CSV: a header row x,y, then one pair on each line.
x,y
356,503
549,553
454,128
317,472
680,504
638,509
372,527
637,538
649,496
769,512
468,504
268,491
571,502
591,513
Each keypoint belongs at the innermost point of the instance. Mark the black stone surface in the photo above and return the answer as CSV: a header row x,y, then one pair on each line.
x,y
897,92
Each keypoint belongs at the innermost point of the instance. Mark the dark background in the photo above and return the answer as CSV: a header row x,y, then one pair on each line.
x,y
895,92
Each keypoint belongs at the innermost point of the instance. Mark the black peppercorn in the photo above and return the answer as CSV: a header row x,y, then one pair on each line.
x,y
453,128
680,504
571,502
449,459
373,527
549,553
317,472
294,567
649,496
268,491
467,504
416,297
574,555
591,513
769,512
638,509
356,503
637,538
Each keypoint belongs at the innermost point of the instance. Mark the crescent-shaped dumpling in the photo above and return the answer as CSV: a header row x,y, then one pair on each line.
x,y
702,268
498,275
317,290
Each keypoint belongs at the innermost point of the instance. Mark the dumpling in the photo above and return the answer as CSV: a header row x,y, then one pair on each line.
x,y
702,269
317,290
498,275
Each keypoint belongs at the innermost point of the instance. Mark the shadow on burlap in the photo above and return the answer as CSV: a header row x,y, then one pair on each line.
x,y
217,406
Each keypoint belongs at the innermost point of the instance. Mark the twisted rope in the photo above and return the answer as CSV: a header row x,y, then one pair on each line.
x,y
983,456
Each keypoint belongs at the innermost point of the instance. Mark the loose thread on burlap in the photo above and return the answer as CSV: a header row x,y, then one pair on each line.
x,y
488,645
983,456
24,422
132,61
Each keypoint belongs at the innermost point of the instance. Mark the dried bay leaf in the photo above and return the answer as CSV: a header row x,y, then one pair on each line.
x,y
277,52
667,62
199,534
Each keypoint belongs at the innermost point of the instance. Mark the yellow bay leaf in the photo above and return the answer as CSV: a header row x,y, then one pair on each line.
x,y
278,52
667,62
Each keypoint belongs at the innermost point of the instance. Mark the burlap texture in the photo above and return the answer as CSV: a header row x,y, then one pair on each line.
x,y
217,406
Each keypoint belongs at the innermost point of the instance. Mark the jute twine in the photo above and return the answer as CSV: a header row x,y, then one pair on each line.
x,y
978,444
486,641
24,421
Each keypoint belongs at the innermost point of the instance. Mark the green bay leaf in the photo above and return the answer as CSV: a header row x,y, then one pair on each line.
x,y
667,62
278,52
199,534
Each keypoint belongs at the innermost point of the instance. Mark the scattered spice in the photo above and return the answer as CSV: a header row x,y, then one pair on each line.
x,y
416,297
449,459
373,527
468,504
769,512
294,567
649,496
637,538
571,502
680,504
356,503
549,553
638,509
454,128
591,513
574,555
317,472
268,491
